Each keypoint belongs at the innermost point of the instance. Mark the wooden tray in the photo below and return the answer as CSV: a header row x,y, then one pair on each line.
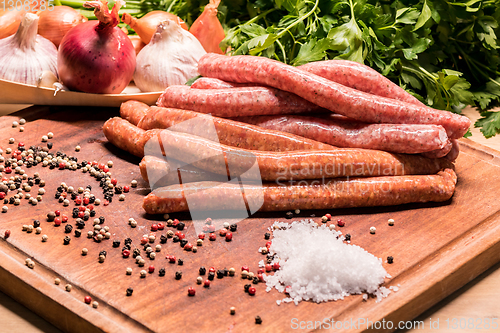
x,y
437,248
18,93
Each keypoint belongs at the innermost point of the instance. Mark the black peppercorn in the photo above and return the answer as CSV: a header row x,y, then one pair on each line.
x,y
180,226
103,253
101,219
202,270
246,287
258,320
233,227
161,272
130,291
390,259
92,213
116,243
136,253
267,235
80,224
73,196
5,201
163,239
178,275
220,274
183,242
180,262
51,216
126,247
68,228
118,190
211,275
60,189
255,280
289,215
347,237
36,224
226,271
175,239
146,246
78,233
127,241
88,187
67,239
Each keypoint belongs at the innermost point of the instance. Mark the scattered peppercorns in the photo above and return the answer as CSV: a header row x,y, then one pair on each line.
x,y
390,259
129,291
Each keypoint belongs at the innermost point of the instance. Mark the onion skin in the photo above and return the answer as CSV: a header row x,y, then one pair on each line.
x,y
137,42
96,57
54,24
9,22
145,27
207,28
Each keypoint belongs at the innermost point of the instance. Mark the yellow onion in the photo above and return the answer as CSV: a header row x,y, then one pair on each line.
x,y
54,24
145,27
137,42
9,22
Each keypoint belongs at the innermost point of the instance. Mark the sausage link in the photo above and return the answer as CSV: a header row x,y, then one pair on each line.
x,y
229,132
396,138
360,77
327,94
455,150
438,153
159,172
243,101
301,164
356,192
126,136
212,83
133,111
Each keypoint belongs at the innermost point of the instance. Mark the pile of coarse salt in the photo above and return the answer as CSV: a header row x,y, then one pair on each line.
x,y
316,264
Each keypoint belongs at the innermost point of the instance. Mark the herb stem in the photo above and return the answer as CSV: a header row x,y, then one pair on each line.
x,y
300,19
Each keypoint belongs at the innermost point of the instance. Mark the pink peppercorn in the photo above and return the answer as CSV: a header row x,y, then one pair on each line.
x,y
171,259
328,216
62,165
126,188
7,170
211,228
206,284
252,290
7,234
144,240
57,212
212,237
81,208
276,266
161,226
57,221
269,267
191,291
188,247
201,235
2,195
126,253
229,236
222,232
151,269
205,229
78,201
86,201
175,222
64,218
340,223
114,181
260,277
245,268
81,214
154,227
268,244
260,270
211,269
87,299
208,221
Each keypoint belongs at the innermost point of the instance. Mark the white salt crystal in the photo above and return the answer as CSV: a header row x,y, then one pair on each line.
x,y
319,267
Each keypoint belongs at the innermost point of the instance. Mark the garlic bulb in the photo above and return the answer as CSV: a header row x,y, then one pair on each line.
x,y
170,58
25,55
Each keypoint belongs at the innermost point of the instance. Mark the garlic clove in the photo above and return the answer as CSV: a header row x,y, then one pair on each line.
x,y
46,80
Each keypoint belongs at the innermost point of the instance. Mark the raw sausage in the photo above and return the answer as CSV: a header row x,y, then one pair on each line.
x,y
397,138
228,132
356,192
327,94
159,172
240,101
126,136
361,77
301,164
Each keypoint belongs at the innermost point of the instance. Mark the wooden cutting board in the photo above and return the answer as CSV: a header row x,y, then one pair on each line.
x,y
437,248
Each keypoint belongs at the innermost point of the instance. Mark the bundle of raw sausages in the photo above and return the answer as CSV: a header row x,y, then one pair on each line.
x,y
381,178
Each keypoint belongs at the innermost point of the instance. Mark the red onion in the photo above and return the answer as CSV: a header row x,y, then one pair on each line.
x,y
96,56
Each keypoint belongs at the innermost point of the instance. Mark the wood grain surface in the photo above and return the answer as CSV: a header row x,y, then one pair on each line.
x,y
437,248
